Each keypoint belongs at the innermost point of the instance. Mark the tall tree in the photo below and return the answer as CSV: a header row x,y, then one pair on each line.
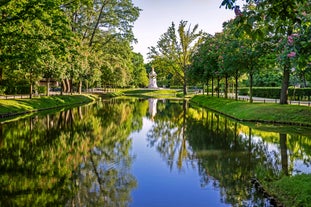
x,y
176,46
284,17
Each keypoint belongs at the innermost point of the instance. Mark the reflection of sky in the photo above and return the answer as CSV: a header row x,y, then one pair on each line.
x,y
160,186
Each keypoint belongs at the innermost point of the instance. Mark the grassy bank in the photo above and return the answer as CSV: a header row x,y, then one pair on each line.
x,y
290,191
257,112
21,106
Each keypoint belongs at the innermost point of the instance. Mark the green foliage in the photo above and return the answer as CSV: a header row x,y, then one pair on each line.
x,y
73,42
140,76
267,92
175,47
243,91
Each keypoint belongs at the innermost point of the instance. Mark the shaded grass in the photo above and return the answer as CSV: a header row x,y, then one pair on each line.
x,y
257,112
19,106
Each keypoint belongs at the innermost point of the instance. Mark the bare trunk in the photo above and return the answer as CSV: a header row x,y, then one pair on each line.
x,y
185,85
226,87
47,86
285,84
71,85
64,87
218,86
212,86
80,87
286,75
67,83
1,76
251,87
31,87
236,86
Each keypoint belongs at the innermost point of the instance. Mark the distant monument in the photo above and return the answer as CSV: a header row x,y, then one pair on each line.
x,y
152,79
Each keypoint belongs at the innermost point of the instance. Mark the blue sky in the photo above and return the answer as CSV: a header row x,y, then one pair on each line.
x,y
157,15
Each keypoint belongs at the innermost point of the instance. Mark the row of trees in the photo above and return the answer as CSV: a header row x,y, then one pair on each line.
x,y
265,36
80,42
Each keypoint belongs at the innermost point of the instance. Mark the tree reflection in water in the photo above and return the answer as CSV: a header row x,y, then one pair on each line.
x,y
78,157
228,154
82,156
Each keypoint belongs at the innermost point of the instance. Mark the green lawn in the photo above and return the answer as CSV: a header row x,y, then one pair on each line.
x,y
156,93
257,112
16,106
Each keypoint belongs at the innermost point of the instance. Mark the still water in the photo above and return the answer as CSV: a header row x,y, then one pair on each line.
x,y
143,153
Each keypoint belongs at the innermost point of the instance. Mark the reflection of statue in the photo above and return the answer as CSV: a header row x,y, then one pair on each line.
x,y
152,79
152,107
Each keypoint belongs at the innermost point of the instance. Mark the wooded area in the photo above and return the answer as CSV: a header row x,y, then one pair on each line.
x,y
266,44
82,44
79,43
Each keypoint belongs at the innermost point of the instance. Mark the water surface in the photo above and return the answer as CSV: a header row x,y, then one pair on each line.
x,y
139,153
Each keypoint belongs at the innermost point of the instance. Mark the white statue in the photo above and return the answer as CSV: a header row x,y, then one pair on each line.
x,y
152,79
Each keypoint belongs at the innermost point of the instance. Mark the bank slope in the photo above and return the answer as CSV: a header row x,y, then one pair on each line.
x,y
15,107
256,112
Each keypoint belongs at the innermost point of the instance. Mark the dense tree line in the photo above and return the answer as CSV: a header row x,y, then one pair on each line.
x,y
267,43
79,43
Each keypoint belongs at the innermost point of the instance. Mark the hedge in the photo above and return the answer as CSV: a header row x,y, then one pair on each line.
x,y
297,94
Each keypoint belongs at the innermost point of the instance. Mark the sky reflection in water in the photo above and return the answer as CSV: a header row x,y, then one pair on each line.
x,y
160,186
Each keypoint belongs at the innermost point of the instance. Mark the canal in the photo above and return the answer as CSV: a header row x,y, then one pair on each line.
x,y
143,153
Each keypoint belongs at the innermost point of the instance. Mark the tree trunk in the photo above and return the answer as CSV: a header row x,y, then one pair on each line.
x,y
285,84
31,87
1,76
185,85
71,85
31,91
226,87
212,86
286,75
218,86
236,86
251,87
80,87
47,86
67,83
64,87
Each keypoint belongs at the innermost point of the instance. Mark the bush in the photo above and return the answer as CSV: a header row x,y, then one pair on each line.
x,y
2,90
41,89
243,91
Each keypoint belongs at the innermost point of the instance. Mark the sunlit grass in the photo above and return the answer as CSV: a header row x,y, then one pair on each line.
x,y
158,93
245,111
13,106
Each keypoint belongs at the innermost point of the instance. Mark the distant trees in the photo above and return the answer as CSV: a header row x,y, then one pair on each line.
x,y
175,48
